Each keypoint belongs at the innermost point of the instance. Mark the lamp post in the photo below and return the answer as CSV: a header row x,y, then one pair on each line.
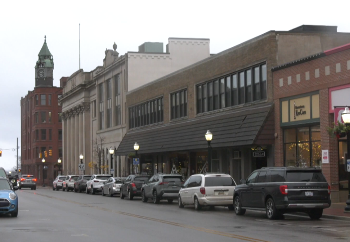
x,y
209,137
43,161
346,118
111,151
136,148
81,157
59,165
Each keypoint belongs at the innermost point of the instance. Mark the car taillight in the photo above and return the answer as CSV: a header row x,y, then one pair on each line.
x,y
202,190
34,180
329,189
133,185
22,179
284,189
163,183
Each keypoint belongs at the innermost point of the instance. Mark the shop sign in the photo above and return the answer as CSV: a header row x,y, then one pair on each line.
x,y
338,110
325,157
299,110
136,161
258,153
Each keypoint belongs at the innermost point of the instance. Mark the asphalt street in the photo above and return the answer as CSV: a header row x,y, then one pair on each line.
x,y
47,215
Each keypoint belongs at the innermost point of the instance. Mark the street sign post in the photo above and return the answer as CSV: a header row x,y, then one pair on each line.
x,y
81,167
136,161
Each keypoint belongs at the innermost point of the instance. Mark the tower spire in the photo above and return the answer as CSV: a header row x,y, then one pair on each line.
x,y
45,38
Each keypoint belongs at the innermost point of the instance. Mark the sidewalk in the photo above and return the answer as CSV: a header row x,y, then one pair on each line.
x,y
336,211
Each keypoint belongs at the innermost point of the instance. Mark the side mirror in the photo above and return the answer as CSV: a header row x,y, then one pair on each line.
x,y
243,181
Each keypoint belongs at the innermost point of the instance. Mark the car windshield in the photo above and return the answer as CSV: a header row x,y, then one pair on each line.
x,y
118,182
305,176
87,177
102,177
219,181
2,173
173,179
141,178
4,185
63,178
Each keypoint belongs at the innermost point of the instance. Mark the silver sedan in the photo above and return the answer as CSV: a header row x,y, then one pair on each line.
x,y
112,186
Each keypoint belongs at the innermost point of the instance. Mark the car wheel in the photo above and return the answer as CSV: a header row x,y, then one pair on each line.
x,y
170,200
67,189
121,194
181,205
315,213
197,206
103,193
15,213
86,190
19,188
271,211
110,193
32,188
35,188
63,189
238,206
155,197
56,188
144,198
53,188
130,195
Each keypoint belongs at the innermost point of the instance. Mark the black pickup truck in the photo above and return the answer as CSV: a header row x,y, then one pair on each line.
x,y
132,186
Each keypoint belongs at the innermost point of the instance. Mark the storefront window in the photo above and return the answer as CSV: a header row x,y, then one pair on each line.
x,y
299,150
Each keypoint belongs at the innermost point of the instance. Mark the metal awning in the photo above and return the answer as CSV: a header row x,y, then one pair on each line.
x,y
238,127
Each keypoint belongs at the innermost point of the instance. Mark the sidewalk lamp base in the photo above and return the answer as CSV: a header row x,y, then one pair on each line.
x,y
347,208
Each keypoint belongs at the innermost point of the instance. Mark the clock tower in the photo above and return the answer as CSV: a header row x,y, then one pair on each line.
x,y
44,68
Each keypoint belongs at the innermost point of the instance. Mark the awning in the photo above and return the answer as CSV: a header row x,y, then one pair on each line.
x,y
239,127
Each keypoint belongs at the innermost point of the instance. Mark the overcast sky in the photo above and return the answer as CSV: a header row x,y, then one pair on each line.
x,y
129,24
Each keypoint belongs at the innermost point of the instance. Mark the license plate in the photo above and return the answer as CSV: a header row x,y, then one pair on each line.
x,y
309,194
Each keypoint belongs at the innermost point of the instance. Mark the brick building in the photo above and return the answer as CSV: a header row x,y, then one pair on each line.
x,y
230,94
309,95
41,127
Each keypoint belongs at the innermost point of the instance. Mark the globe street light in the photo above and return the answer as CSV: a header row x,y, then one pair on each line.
x,y
59,164
111,151
209,137
136,148
43,161
81,161
346,118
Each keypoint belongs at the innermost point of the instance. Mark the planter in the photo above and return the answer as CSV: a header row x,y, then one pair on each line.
x,y
341,135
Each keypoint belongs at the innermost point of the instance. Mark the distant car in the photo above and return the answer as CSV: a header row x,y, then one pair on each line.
x,y
279,190
162,186
132,186
111,186
13,178
211,189
96,182
80,183
8,198
57,183
27,181
68,183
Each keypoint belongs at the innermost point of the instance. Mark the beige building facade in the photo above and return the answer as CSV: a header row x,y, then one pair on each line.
x,y
93,103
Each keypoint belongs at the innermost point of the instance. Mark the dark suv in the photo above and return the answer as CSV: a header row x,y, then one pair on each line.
x,y
279,190
162,186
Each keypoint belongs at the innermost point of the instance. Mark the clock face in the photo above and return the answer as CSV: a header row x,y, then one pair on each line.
x,y
41,73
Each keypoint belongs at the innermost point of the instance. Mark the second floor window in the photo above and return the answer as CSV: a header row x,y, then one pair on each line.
x,y
146,113
42,99
43,134
178,104
43,117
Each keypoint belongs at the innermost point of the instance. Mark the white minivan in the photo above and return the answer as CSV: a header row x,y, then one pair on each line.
x,y
211,189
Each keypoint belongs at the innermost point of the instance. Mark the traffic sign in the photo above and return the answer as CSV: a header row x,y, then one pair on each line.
x,y
136,161
112,170
348,165
81,167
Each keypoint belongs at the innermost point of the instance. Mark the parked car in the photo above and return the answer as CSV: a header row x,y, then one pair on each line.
x,y
162,186
68,183
57,183
211,189
27,181
279,190
132,186
96,182
3,173
8,198
80,183
111,186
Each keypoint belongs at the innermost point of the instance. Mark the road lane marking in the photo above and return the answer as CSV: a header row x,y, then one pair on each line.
x,y
235,236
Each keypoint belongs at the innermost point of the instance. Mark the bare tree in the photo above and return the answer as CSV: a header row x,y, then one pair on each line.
x,y
98,153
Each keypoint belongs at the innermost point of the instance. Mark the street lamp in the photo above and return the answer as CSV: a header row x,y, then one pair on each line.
x,y
346,118
81,161
59,164
111,151
43,161
136,148
209,137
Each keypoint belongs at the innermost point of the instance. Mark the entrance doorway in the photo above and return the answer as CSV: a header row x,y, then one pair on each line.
x,y
260,162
